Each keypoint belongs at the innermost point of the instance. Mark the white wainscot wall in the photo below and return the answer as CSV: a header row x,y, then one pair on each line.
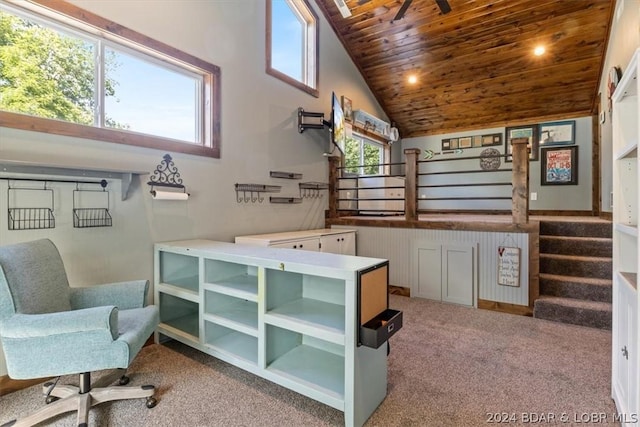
x,y
401,246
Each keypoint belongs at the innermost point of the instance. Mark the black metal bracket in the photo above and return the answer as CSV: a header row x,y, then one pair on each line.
x,y
302,125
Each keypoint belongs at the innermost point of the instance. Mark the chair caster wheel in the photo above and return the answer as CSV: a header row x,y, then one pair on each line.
x,y
50,399
124,380
151,402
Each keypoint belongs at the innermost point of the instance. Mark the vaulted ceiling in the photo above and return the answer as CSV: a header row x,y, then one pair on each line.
x,y
475,65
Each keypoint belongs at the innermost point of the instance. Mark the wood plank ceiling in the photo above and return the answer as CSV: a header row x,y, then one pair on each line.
x,y
475,65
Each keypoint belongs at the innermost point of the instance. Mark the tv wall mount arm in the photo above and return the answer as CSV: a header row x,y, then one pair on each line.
x,y
302,125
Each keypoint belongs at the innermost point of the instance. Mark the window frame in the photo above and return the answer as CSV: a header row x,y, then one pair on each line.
x,y
111,33
311,34
383,168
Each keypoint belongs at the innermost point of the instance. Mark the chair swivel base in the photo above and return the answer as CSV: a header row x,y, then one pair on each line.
x,y
72,398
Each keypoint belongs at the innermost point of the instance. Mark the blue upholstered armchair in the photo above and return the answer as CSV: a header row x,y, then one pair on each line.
x,y
49,329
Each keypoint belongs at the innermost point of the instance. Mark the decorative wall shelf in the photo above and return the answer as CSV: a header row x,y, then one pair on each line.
x,y
289,200
10,167
285,175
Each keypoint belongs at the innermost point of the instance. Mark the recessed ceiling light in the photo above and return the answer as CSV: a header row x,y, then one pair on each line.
x,y
412,79
539,51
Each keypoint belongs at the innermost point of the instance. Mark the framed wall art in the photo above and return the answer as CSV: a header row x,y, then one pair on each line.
x,y
529,131
559,165
558,133
347,107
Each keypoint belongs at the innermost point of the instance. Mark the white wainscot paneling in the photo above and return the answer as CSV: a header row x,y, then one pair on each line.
x,y
405,247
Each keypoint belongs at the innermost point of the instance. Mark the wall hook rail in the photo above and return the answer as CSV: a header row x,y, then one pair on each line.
x,y
311,190
255,192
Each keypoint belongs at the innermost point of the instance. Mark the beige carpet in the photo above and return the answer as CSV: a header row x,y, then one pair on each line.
x,y
449,366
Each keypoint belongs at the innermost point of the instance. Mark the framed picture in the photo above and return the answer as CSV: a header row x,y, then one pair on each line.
x,y
446,144
531,132
493,139
558,133
477,141
453,143
559,165
464,142
347,108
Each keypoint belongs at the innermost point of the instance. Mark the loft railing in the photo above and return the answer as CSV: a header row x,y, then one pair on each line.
x,y
423,186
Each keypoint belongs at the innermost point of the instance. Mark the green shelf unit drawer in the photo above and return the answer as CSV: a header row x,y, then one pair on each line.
x,y
378,330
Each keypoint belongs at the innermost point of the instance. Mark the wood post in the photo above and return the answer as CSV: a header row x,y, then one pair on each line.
x,y
411,184
334,174
520,181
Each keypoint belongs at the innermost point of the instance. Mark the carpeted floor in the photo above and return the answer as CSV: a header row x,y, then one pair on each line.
x,y
449,366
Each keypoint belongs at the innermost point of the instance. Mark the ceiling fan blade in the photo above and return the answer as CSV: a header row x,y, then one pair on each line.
x,y
444,6
403,10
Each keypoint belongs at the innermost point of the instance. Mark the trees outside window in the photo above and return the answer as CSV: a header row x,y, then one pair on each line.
x,y
92,82
363,156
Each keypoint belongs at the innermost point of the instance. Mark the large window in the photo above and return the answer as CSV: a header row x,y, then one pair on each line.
x,y
92,78
363,156
292,43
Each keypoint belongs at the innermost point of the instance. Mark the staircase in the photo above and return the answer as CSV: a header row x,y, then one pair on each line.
x,y
575,272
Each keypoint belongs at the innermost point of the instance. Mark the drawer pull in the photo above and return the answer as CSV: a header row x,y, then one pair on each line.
x,y
390,328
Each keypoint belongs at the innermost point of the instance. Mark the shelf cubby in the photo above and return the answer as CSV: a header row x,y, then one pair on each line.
x,y
240,281
309,365
232,342
237,314
306,303
180,271
179,314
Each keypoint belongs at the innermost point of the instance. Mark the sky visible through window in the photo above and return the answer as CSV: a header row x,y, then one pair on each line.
x,y
151,99
286,40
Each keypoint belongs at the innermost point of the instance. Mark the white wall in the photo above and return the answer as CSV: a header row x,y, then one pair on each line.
x,y
259,134
550,197
624,39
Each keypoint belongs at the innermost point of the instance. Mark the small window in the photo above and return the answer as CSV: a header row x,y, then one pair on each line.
x,y
98,80
363,156
292,43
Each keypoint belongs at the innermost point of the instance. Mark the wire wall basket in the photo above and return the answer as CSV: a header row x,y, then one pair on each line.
x,y
30,218
85,217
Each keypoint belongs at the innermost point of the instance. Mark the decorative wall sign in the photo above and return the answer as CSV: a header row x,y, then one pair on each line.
x,y
559,165
531,132
490,159
558,133
508,266
473,141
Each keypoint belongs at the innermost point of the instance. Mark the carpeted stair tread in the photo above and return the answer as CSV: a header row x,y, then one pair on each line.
x,y
577,257
593,314
587,288
577,266
591,228
572,245
587,280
